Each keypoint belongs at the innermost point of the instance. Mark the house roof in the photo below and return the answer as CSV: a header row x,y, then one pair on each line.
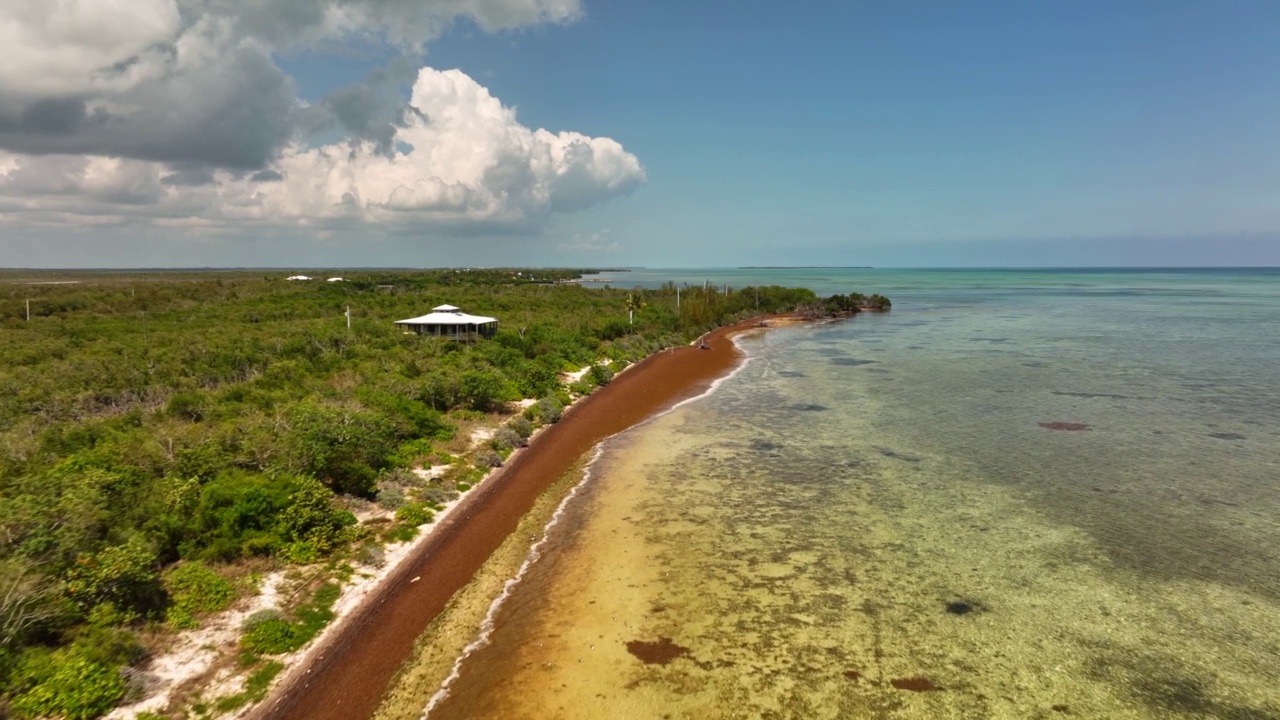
x,y
447,318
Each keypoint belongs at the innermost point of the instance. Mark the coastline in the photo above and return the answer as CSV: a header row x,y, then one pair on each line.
x,y
350,667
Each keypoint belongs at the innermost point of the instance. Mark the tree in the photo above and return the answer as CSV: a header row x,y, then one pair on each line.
x,y
27,600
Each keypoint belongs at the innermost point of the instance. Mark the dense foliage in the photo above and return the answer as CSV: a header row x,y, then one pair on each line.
x,y
155,425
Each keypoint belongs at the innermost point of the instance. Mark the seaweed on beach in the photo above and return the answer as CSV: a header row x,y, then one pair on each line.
x,y
658,652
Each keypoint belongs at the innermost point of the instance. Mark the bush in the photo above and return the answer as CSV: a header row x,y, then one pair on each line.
x,y
549,410
437,495
372,554
481,389
414,514
506,439
194,590
521,426
311,518
600,374
271,636
260,617
391,497
487,459
120,577
71,687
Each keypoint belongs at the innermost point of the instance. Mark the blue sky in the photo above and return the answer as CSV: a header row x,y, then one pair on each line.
x,y
902,134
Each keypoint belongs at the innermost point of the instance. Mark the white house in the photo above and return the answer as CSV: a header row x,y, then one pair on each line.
x,y
449,321
297,277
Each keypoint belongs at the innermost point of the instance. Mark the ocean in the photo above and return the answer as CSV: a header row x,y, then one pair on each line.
x,y
1019,494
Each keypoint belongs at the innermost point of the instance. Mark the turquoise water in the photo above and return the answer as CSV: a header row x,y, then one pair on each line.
x,y
1019,494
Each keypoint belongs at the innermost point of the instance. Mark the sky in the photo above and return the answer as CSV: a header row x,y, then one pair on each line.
x,y
610,133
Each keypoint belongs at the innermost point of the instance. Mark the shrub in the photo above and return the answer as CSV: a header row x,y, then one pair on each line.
x,y
487,459
260,617
372,554
521,426
549,409
411,452
71,687
481,389
271,636
600,374
391,497
414,514
437,495
121,577
194,589
311,518
506,439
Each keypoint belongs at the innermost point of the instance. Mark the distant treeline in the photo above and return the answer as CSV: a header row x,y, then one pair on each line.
x,y
155,427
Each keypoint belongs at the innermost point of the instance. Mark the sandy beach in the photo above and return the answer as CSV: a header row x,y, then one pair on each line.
x,y
347,672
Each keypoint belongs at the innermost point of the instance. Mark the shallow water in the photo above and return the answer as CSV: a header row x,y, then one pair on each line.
x,y
882,518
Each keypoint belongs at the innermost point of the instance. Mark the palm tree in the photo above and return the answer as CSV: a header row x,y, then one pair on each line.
x,y
632,306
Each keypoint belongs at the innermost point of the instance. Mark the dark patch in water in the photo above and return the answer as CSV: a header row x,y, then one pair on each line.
x,y
914,684
995,341
764,446
1185,695
915,347
1227,436
898,456
853,675
1060,708
1093,395
807,407
1169,688
879,370
1035,364
851,362
1064,426
961,607
790,373
659,652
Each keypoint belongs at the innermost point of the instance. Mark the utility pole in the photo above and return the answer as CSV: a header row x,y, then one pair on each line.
x,y
677,302
28,309
348,314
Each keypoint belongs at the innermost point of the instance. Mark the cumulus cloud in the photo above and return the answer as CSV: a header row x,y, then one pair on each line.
x,y
174,110
460,157
596,242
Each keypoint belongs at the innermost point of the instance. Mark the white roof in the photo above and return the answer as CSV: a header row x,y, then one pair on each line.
x,y
447,318
297,277
334,280
446,308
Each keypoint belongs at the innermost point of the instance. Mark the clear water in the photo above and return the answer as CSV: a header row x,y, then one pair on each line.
x,y
871,521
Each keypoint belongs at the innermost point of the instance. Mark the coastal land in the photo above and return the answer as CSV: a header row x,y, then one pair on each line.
x,y
346,675
209,479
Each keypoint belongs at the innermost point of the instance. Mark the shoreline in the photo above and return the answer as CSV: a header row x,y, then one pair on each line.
x,y
346,673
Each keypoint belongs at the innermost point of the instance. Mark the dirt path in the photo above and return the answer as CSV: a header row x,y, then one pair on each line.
x,y
345,677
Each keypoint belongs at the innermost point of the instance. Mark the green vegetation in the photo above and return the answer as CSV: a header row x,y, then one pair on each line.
x,y
158,428
195,590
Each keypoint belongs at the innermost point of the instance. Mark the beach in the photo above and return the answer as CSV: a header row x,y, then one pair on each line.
x,y
347,672
900,517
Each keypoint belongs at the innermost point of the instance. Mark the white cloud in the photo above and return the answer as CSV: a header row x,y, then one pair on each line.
x,y
596,242
464,159
174,113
